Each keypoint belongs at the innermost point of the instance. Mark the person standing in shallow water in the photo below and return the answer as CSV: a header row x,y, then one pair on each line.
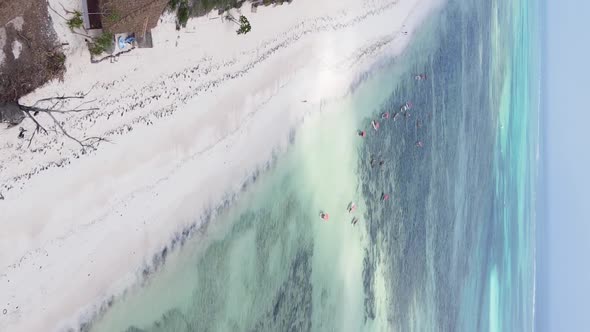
x,y
375,124
372,162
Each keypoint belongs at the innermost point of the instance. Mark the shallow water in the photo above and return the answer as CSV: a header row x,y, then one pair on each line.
x,y
452,249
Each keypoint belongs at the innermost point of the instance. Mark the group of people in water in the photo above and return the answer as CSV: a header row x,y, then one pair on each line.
x,y
351,208
404,111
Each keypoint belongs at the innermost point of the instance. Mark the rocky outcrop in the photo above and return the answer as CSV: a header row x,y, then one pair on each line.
x,y
10,113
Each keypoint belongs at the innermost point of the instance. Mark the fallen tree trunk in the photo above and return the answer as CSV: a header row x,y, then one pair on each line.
x,y
14,113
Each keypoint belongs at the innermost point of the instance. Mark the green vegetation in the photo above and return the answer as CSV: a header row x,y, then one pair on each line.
x,y
271,2
244,26
173,4
183,13
113,17
56,63
101,43
185,9
76,21
202,7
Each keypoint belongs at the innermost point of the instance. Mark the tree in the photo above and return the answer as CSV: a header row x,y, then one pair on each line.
x,y
183,14
173,4
51,107
243,22
101,43
113,17
75,22
245,26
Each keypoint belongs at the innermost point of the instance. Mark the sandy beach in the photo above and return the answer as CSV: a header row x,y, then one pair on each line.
x,y
189,123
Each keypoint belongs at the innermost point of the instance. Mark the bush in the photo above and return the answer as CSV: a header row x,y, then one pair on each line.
x,y
114,17
183,14
101,43
75,22
56,63
173,4
245,26
202,7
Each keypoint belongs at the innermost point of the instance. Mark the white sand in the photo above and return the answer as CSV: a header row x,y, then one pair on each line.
x,y
2,44
17,47
17,23
189,121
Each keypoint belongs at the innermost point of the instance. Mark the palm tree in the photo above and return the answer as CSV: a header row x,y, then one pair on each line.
x,y
243,22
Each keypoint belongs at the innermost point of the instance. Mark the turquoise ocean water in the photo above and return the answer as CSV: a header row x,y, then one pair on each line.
x,y
451,250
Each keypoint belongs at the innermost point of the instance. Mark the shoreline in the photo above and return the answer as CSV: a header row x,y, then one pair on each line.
x,y
108,212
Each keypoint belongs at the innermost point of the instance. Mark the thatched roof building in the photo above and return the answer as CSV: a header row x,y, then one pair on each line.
x,y
137,16
124,16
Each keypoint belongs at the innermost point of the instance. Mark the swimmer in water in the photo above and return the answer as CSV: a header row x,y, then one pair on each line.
x,y
406,107
375,125
420,144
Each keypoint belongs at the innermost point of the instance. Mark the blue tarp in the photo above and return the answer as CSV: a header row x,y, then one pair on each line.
x,y
122,42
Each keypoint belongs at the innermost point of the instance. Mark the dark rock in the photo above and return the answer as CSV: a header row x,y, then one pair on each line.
x,y
10,113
